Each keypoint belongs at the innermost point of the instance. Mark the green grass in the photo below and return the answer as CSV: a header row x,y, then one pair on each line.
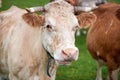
x,y
85,67
22,3
118,1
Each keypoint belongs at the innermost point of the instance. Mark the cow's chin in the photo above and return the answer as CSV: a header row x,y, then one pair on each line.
x,y
66,62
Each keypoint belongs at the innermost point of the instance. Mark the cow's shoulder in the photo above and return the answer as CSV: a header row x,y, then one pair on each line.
x,y
13,11
109,8
11,16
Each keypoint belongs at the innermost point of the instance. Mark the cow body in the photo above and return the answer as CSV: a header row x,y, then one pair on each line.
x,y
26,39
21,50
103,40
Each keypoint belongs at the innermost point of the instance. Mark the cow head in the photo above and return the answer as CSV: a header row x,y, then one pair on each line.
x,y
58,30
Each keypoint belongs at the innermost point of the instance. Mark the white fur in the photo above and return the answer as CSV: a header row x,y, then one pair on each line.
x,y
100,63
115,74
51,21
87,9
32,9
99,71
36,78
98,54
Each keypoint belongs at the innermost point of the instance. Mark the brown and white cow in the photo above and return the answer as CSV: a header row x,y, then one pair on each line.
x,y
31,43
103,38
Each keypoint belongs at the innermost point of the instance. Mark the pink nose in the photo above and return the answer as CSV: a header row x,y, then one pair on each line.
x,y
70,54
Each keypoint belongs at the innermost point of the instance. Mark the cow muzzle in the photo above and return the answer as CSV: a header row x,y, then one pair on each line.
x,y
69,55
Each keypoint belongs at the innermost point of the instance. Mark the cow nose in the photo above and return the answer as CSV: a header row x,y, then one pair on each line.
x,y
70,54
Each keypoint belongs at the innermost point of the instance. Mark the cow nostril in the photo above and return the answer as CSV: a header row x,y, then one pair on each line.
x,y
69,53
64,53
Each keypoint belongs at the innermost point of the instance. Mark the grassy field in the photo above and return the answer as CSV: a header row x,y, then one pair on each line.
x,y
85,67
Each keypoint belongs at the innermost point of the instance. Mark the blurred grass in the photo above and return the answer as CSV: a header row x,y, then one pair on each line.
x,y
22,3
85,67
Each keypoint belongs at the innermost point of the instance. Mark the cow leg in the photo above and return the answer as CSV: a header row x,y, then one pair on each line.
x,y
3,77
12,77
113,68
99,69
113,75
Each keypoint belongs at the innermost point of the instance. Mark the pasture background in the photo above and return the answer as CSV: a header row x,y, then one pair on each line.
x,y
85,67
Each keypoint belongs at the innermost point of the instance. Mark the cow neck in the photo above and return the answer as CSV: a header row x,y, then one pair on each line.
x,y
50,63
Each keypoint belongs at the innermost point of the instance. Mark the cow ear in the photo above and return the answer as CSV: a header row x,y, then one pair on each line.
x,y
118,14
33,19
86,19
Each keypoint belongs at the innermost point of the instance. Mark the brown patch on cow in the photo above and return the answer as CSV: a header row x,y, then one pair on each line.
x,y
33,19
86,19
118,14
98,11
109,7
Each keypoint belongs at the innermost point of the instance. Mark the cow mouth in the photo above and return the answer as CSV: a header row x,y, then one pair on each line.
x,y
65,62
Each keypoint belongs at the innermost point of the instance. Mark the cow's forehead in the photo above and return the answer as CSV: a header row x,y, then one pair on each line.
x,y
62,21
51,21
60,7
60,12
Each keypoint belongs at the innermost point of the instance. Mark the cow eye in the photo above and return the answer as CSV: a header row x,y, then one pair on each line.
x,y
49,27
75,28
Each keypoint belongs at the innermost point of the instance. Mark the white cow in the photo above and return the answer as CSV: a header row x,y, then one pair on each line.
x,y
33,46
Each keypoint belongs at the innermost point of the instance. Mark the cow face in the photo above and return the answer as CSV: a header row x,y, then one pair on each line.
x,y
58,32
